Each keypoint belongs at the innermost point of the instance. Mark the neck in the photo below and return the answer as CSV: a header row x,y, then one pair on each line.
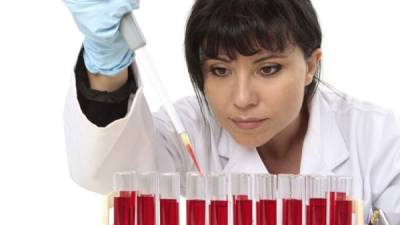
x,y
289,141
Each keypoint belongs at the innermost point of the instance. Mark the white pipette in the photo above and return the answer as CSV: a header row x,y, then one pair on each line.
x,y
133,36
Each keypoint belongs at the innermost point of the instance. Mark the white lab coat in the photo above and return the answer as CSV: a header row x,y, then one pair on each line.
x,y
344,137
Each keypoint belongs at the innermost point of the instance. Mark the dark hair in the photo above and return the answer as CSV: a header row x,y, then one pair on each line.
x,y
245,26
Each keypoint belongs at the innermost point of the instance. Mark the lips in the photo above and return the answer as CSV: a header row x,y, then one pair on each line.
x,y
248,123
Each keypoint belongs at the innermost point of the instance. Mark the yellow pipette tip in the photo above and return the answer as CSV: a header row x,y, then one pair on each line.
x,y
185,138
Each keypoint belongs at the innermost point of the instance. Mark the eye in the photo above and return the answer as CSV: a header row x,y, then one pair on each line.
x,y
269,70
220,71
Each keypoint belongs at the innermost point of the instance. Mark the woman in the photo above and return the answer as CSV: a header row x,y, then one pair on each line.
x,y
255,67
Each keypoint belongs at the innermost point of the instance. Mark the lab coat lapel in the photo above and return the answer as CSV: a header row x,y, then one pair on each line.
x,y
240,158
324,148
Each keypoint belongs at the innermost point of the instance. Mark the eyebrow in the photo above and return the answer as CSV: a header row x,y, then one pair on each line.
x,y
269,57
256,61
217,58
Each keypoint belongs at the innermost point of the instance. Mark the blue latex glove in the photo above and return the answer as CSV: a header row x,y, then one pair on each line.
x,y
105,50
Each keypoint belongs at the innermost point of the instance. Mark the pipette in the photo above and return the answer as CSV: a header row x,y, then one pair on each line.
x,y
133,36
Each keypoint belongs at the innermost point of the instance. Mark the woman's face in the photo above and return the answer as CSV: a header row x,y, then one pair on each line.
x,y
256,97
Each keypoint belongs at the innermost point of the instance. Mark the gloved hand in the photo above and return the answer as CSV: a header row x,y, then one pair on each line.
x,y
105,50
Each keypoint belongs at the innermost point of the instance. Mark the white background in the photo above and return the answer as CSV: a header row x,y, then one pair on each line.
x,y
38,47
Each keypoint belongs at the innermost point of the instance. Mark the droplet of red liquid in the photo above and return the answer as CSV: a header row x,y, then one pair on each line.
x,y
194,159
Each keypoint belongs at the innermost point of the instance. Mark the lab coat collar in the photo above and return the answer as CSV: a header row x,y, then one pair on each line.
x,y
240,158
324,148
244,160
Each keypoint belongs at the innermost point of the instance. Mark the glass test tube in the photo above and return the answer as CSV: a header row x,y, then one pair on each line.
x,y
307,197
265,196
218,199
340,204
317,207
195,199
146,198
241,187
292,192
125,201
169,198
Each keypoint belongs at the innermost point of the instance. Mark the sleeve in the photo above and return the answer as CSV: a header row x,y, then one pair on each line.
x,y
95,153
139,141
385,172
102,107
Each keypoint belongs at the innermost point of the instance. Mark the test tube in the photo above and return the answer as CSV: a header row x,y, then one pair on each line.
x,y
292,192
146,198
317,207
218,199
169,198
125,201
241,187
265,196
307,197
340,204
195,199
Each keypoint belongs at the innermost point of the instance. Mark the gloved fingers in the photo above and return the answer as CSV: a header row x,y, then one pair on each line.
x,y
102,58
100,19
106,52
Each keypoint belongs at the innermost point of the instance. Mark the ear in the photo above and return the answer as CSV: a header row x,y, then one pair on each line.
x,y
312,65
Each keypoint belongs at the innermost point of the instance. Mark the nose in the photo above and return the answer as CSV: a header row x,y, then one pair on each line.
x,y
244,94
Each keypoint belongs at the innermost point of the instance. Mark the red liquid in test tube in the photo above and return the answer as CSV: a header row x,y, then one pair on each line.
x,y
333,197
133,207
121,211
217,193
343,212
218,211
195,212
317,211
242,210
169,212
146,210
124,208
266,212
195,199
291,212
125,201
265,195
169,192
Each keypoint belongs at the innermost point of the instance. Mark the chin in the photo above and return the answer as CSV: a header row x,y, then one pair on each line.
x,y
249,142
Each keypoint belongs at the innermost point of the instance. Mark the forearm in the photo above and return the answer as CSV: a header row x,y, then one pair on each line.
x,y
107,83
